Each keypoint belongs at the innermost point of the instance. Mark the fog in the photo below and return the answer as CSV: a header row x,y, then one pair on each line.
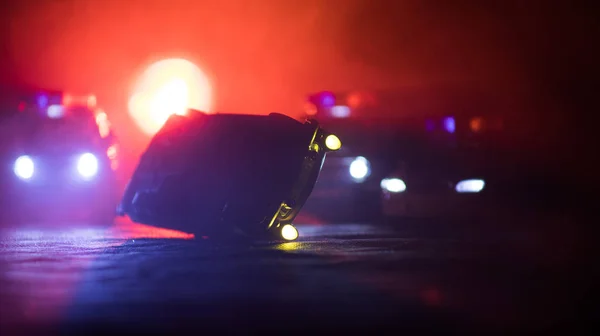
x,y
265,56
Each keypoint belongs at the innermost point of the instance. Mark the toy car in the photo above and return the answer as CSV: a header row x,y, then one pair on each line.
x,y
369,123
59,157
479,185
228,175
407,197
374,125
435,182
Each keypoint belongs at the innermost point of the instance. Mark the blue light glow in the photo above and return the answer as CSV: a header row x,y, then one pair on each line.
x,y
450,124
429,125
42,101
327,99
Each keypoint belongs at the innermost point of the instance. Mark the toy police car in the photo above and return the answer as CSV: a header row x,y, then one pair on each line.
x,y
374,125
434,192
59,157
227,175
348,189
369,123
434,180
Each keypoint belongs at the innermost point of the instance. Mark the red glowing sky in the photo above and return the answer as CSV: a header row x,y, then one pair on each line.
x,y
264,56
258,53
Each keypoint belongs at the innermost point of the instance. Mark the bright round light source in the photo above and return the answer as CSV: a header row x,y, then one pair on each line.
x,y
333,142
360,168
87,165
56,111
289,232
24,167
450,124
340,111
470,186
393,185
167,87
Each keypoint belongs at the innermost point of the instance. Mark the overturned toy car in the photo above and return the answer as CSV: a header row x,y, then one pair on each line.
x,y
224,175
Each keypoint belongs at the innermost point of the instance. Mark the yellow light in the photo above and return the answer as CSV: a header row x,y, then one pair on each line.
x,y
333,142
289,232
170,86
289,246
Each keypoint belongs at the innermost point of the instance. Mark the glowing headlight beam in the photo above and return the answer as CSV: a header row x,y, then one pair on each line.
x,y
333,142
393,185
360,168
24,167
470,186
289,232
87,165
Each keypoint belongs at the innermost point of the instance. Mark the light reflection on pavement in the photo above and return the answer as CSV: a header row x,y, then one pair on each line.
x,y
41,267
120,272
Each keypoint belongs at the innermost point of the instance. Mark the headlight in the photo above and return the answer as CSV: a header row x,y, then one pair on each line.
x,y
360,168
24,167
288,232
87,165
470,186
333,142
393,185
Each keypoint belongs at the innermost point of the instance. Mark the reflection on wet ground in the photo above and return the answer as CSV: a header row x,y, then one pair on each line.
x,y
132,273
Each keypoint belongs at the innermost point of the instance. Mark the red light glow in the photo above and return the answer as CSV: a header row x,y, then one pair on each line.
x,y
86,100
130,230
67,100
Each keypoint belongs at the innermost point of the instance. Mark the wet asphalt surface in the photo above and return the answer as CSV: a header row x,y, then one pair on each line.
x,y
76,279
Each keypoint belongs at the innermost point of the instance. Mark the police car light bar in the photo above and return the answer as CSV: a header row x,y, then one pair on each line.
x,y
45,99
